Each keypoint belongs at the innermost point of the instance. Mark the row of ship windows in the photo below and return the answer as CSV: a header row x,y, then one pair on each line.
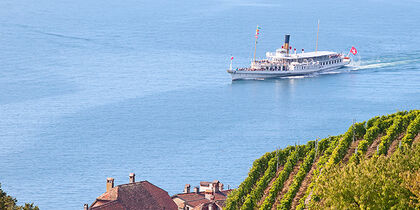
x,y
330,62
324,63
275,68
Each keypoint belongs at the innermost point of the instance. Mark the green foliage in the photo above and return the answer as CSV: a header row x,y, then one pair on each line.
x,y
286,201
333,142
377,183
377,127
7,202
371,122
255,195
284,174
236,197
374,128
359,130
330,151
323,144
399,125
407,119
391,135
371,134
413,130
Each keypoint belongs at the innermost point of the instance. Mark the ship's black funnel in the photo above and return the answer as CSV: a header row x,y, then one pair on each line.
x,y
286,42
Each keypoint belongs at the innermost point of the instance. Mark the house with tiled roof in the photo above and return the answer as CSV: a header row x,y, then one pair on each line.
x,y
132,196
210,196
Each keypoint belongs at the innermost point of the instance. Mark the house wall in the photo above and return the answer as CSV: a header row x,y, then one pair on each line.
x,y
204,188
180,203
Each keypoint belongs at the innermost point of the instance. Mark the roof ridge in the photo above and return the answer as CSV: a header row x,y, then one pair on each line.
x,y
134,183
189,193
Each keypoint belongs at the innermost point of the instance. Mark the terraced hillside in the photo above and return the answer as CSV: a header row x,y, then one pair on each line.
x,y
287,178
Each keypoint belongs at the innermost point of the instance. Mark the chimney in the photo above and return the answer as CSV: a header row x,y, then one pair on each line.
x,y
286,43
214,186
187,188
109,184
132,177
220,187
86,207
196,190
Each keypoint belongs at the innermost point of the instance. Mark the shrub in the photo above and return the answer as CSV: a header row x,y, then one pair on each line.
x,y
236,197
286,202
377,183
284,174
413,130
255,195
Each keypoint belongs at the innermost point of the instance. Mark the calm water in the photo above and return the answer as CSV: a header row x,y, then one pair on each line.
x,y
96,89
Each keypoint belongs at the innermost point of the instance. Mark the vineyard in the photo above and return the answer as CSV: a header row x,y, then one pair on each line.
x,y
290,178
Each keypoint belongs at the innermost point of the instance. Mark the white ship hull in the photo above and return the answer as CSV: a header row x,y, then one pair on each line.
x,y
282,63
238,75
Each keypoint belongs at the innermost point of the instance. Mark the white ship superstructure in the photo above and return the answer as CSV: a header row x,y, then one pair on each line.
x,y
282,63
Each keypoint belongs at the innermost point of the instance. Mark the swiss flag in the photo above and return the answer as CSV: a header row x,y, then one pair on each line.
x,y
353,50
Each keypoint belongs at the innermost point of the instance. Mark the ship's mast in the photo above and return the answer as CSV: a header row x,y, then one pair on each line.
x,y
257,32
317,33
255,48
231,58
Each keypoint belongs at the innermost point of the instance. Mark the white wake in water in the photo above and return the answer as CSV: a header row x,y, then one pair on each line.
x,y
296,77
358,65
301,76
330,72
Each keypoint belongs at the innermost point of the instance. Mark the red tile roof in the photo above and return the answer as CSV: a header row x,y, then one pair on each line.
x,y
109,205
204,183
196,199
197,202
138,195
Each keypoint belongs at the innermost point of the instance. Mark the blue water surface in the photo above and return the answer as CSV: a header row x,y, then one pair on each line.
x,y
96,89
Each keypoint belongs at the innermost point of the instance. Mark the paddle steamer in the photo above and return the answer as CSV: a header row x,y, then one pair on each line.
x,y
284,63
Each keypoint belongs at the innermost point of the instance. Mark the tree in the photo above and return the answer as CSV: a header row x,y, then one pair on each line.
x,y
377,183
7,202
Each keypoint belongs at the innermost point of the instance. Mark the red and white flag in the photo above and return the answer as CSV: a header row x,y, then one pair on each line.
x,y
353,50
231,58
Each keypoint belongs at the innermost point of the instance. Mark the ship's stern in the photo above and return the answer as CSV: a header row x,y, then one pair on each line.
x,y
232,73
346,60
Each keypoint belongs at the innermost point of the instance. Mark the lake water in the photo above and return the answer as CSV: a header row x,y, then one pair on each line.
x,y
96,89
